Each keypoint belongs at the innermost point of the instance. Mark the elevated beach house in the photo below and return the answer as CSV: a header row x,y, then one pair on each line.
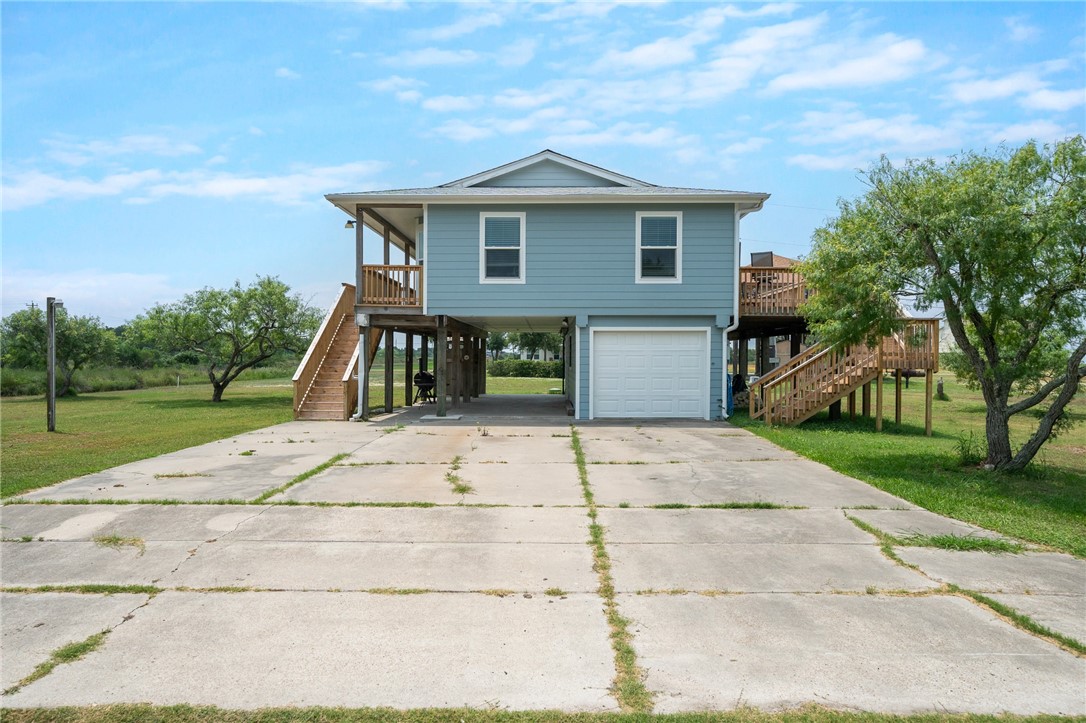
x,y
641,281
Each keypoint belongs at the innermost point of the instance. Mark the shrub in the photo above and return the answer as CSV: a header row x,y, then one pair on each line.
x,y
524,368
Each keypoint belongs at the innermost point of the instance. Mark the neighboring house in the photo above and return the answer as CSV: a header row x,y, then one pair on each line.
x,y
639,279
538,355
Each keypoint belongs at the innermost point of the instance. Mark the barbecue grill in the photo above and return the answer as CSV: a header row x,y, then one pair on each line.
x,y
424,387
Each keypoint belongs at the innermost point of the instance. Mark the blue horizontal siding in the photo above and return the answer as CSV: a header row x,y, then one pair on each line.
x,y
546,174
579,259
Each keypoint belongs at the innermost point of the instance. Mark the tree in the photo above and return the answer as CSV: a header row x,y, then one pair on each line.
x,y
999,242
80,340
496,342
531,342
234,329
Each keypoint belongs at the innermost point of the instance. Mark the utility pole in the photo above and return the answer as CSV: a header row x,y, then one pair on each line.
x,y
51,306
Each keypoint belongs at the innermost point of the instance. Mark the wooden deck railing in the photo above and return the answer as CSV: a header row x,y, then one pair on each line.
x,y
771,291
391,285
318,349
806,383
914,347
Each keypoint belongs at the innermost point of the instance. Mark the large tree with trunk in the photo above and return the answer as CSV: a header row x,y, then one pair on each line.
x,y
234,329
998,242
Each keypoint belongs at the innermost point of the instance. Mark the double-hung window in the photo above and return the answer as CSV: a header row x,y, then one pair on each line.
x,y
501,248
659,247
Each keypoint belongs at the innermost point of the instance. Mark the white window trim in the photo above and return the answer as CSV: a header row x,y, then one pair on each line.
x,y
483,216
678,216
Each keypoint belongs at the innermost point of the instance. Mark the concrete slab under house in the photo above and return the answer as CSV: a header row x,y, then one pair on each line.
x,y
644,284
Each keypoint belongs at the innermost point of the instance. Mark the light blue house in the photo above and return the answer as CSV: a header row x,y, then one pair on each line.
x,y
639,279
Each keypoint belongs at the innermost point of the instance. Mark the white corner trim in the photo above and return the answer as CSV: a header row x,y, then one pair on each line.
x,y
425,259
483,216
577,373
678,216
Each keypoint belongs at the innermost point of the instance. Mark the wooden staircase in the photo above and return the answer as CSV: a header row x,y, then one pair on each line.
x,y
820,376
326,383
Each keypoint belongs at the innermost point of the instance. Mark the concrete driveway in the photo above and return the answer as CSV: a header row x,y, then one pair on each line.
x,y
439,564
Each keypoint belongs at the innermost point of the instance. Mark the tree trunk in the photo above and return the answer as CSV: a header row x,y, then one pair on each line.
x,y
998,435
217,389
66,382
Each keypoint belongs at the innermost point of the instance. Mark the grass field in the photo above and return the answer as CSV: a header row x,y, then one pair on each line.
x,y
1046,504
103,430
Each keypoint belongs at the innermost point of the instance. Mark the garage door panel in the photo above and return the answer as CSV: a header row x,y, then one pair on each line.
x,y
650,374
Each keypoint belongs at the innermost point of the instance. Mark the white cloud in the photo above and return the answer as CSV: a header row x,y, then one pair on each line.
x,y
884,60
254,131
1042,131
901,132
972,91
450,103
524,99
408,96
432,56
812,162
1019,30
392,84
661,53
300,186
74,153
463,26
113,296
463,131
33,188
627,134
750,145
1058,100
286,73
517,53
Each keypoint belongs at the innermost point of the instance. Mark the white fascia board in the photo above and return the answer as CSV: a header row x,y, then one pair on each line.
x,y
746,203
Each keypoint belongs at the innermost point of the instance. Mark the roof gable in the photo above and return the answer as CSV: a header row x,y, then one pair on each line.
x,y
546,169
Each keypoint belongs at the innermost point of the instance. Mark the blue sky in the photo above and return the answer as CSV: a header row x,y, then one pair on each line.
x,y
150,149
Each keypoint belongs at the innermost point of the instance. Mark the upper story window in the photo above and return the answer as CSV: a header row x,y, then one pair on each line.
x,y
659,247
501,248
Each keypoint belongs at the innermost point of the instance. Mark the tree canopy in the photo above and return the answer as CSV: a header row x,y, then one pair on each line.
x,y
231,330
998,243
80,340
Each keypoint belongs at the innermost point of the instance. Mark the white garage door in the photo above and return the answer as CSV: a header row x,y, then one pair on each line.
x,y
650,374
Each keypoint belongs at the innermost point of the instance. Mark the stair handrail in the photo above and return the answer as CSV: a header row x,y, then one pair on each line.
x,y
814,375
350,385
767,378
322,341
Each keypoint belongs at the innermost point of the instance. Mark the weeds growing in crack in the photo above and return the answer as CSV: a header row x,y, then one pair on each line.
x,y
629,683
300,478
116,542
65,654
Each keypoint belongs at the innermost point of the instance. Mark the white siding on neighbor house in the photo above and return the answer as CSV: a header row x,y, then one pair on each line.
x,y
546,174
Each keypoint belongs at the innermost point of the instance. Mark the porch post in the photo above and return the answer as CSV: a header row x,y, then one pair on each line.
x,y
897,396
794,343
455,368
929,378
409,364
440,342
865,400
390,362
358,259
852,405
878,401
424,356
465,368
364,372
743,358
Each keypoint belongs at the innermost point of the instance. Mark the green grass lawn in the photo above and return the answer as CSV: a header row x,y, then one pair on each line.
x,y
1046,504
98,431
